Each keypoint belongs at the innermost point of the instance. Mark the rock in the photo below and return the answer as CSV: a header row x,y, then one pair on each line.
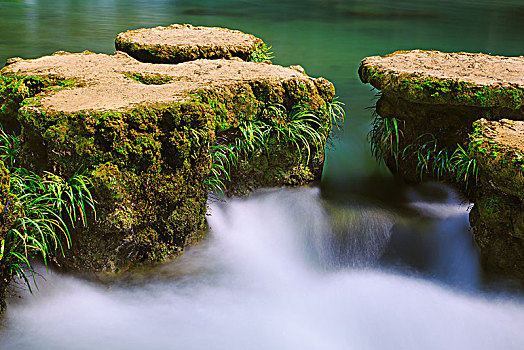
x,y
183,42
498,147
13,60
434,77
5,222
144,133
432,123
498,214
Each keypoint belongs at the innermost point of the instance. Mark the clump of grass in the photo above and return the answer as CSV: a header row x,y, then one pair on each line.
x,y
223,159
36,212
300,127
337,114
10,146
384,138
261,53
430,158
464,166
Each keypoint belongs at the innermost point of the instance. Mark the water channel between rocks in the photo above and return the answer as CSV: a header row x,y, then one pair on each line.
x,y
359,262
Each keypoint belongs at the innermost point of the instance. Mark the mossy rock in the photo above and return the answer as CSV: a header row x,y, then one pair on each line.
x,y
435,100
183,42
142,131
434,77
6,219
498,222
498,147
498,215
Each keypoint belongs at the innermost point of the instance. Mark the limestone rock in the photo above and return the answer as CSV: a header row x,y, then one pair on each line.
x,y
183,42
498,147
434,77
143,132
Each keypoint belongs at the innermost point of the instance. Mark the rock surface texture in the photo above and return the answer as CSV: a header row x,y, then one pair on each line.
x,y
146,134
458,117
183,42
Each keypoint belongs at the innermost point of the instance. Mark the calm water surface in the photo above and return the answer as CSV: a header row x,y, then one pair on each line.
x,y
361,262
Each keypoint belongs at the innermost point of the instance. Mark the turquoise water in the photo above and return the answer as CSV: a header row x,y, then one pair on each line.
x,y
364,254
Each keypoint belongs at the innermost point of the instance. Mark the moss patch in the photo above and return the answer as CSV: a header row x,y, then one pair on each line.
x,y
149,79
500,162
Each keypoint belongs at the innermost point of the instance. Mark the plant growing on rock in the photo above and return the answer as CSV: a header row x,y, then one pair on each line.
x,y
464,166
36,212
430,158
300,127
261,53
384,138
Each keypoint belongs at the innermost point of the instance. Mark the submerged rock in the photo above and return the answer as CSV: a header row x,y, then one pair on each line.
x,y
146,134
183,42
429,125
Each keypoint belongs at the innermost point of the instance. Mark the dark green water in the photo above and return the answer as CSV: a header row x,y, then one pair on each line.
x,y
388,244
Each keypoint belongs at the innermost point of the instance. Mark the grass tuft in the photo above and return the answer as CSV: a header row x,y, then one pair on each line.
x,y
430,158
464,166
300,127
261,53
36,211
384,138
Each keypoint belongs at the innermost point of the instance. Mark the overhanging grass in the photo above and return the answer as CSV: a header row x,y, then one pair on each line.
x,y
36,212
301,127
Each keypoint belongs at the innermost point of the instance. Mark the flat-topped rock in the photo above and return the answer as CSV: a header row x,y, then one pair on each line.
x,y
183,42
498,147
153,139
119,82
469,79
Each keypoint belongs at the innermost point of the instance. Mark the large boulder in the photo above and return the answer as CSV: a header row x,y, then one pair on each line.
x,y
458,117
144,132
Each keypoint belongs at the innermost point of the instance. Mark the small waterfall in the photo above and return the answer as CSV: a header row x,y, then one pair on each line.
x,y
358,235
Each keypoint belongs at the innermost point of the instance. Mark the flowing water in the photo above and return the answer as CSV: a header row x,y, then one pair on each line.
x,y
359,262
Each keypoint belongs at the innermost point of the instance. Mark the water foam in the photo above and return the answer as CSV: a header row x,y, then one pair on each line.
x,y
258,283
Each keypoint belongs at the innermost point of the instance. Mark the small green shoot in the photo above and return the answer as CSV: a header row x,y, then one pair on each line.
x,y
261,53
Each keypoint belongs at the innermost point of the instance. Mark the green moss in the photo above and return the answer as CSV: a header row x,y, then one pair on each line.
x,y
493,208
149,79
6,220
501,165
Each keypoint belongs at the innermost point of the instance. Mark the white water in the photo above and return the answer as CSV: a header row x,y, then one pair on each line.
x,y
268,277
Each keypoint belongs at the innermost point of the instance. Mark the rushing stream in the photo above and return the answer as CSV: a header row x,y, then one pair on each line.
x,y
358,262
270,277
